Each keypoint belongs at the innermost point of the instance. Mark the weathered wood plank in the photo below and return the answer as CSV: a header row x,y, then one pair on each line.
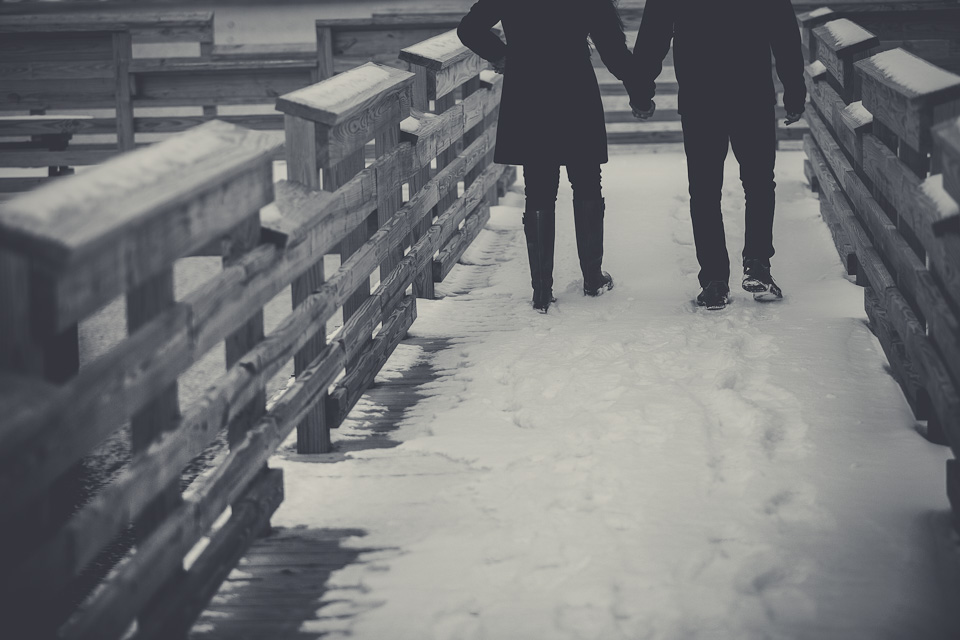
x,y
372,358
112,607
184,600
449,256
905,92
131,217
448,62
341,98
840,43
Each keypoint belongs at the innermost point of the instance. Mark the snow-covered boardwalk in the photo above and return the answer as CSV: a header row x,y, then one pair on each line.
x,y
625,467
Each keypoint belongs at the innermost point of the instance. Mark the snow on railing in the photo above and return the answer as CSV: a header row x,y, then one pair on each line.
x,y
889,195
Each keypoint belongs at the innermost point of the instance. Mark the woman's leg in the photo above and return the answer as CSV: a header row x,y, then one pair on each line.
x,y
539,225
588,213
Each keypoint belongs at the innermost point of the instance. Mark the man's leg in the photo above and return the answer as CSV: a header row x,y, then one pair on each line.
x,y
705,142
754,141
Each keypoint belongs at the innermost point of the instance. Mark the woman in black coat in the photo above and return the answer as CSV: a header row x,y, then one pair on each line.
x,y
551,114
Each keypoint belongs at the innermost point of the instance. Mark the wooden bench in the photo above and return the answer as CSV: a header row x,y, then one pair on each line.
x,y
889,196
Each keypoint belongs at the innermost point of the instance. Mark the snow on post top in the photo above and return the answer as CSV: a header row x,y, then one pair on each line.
x,y
843,33
857,114
822,11
335,99
816,69
437,52
945,205
915,77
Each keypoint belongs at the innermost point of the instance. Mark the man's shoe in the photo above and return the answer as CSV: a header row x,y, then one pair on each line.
x,y
715,296
758,281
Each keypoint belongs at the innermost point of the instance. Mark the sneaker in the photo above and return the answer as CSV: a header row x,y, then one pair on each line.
x,y
715,296
758,281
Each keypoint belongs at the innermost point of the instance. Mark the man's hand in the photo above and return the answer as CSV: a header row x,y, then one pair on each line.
x,y
644,114
792,117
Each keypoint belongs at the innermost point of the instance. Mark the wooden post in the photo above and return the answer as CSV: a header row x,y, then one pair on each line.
x,y
327,133
313,434
423,283
324,53
123,54
239,343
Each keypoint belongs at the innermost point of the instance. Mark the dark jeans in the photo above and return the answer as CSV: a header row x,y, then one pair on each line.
x,y
543,181
754,141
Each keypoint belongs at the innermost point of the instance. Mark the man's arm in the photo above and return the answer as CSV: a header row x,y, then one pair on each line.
x,y
475,33
785,43
653,43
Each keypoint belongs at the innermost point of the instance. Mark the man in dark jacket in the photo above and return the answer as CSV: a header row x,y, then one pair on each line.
x,y
721,51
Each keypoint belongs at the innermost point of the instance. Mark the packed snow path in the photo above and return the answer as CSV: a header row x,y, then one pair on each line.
x,y
630,466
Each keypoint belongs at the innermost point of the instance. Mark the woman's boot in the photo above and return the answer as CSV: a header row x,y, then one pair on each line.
x,y
540,227
588,219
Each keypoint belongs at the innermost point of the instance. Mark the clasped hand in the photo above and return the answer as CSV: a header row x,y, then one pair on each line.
x,y
644,114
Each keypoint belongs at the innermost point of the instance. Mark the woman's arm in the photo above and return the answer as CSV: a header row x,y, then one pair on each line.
x,y
475,33
653,43
611,43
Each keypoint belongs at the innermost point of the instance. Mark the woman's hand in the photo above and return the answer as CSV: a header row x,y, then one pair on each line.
x,y
500,66
644,114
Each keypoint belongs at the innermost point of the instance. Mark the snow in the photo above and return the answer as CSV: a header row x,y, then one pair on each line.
x,y
933,188
816,69
845,32
629,466
913,73
858,114
822,11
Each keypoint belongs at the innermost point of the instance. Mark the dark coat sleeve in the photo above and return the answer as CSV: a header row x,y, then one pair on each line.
x,y
785,43
475,30
653,43
607,35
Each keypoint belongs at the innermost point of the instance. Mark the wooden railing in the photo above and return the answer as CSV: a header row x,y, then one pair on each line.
x,y
240,78
117,230
889,196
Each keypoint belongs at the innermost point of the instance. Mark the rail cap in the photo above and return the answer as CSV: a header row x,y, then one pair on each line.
x,y
438,52
73,219
845,36
337,99
104,21
909,76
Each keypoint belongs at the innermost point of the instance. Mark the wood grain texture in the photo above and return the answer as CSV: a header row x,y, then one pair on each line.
x,y
182,601
98,235
909,113
839,53
345,96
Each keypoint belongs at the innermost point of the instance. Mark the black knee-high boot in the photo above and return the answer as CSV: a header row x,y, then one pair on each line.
x,y
540,227
588,220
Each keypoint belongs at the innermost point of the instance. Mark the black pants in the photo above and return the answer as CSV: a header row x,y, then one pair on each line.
x,y
543,181
753,137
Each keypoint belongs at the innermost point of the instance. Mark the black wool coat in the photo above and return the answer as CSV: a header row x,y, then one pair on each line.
x,y
550,111
721,53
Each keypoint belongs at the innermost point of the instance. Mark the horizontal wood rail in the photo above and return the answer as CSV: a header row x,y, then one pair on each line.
x,y
882,151
117,230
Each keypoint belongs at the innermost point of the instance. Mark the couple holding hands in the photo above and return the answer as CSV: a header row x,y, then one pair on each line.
x,y
552,115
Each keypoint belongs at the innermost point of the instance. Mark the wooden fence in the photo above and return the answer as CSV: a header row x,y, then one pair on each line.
x,y
883,152
81,64
117,231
